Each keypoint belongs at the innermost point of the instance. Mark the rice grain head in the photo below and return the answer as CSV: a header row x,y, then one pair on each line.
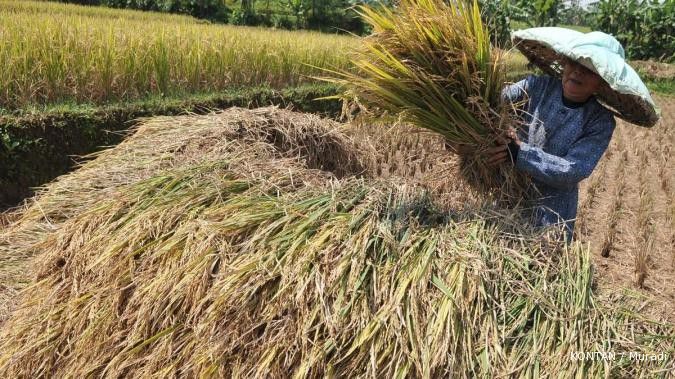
x,y
431,63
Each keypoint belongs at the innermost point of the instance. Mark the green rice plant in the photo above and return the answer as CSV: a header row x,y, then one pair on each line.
x,y
97,55
431,63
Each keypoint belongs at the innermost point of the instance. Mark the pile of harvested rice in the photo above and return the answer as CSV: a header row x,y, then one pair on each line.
x,y
214,246
173,142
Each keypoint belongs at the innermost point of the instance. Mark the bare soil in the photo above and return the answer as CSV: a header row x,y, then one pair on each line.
x,y
655,70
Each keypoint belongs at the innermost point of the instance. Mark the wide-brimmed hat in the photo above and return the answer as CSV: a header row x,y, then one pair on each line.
x,y
622,92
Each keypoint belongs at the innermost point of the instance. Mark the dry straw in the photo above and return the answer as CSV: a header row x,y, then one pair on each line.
x,y
431,62
171,142
203,247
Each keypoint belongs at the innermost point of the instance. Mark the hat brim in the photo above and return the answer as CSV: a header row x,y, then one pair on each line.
x,y
629,107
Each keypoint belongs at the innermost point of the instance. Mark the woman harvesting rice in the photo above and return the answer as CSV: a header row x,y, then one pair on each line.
x,y
568,129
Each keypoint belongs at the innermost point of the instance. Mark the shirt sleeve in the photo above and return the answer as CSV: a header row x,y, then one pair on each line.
x,y
577,164
515,92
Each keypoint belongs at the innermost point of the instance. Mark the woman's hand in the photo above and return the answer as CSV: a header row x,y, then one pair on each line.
x,y
458,148
497,155
501,153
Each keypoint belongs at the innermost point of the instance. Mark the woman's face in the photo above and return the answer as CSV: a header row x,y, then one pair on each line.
x,y
579,83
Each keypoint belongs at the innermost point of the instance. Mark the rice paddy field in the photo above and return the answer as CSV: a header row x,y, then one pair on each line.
x,y
90,55
273,243
98,55
626,212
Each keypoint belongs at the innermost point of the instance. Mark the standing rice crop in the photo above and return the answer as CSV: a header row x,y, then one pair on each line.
x,y
431,62
97,55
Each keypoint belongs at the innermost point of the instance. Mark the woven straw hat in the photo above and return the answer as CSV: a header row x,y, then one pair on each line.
x,y
622,90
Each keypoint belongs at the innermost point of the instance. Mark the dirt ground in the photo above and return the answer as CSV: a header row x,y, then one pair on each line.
x,y
654,70
627,212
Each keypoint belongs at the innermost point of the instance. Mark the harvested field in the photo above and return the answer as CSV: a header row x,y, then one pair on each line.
x,y
272,243
627,213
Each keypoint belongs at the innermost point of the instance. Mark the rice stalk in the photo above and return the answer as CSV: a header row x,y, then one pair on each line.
x,y
249,138
211,246
430,63
95,55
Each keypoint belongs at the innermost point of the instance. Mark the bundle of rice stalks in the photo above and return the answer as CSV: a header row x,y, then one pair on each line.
x,y
246,263
430,61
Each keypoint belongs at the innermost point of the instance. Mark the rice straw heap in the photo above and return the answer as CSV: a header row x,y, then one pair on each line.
x,y
214,248
431,62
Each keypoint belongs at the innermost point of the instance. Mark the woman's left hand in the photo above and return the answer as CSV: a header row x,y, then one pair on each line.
x,y
512,135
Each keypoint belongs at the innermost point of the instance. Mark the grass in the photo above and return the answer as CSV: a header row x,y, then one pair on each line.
x,y
84,54
665,87
305,93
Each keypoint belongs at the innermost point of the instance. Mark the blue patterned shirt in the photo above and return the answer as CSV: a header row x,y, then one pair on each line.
x,y
562,145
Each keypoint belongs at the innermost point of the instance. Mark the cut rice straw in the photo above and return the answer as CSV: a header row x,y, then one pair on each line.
x,y
430,62
238,260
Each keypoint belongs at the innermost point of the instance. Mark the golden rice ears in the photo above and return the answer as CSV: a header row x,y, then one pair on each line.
x,y
431,63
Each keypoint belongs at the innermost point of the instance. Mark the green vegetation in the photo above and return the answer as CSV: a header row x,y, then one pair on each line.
x,y
538,12
335,16
503,16
663,86
214,10
645,28
101,55
325,15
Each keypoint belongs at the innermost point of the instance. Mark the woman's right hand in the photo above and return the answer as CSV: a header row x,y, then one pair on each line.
x,y
459,148
501,153
497,155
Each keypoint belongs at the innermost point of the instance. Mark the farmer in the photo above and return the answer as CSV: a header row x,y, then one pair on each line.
x,y
567,124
